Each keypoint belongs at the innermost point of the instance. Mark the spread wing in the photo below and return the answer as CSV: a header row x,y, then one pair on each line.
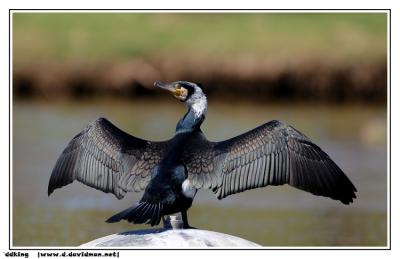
x,y
108,159
272,154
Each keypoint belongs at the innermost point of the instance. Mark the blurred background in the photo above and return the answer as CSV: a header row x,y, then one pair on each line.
x,y
324,73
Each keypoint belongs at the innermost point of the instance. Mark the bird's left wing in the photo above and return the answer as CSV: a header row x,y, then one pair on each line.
x,y
271,154
108,159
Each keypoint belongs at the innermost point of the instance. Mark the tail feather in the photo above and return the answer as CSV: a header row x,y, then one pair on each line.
x,y
142,215
155,217
119,216
143,212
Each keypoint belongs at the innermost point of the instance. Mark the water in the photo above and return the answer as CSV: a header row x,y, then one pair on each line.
x,y
354,136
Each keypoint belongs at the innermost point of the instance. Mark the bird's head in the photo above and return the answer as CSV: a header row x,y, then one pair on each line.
x,y
190,93
184,91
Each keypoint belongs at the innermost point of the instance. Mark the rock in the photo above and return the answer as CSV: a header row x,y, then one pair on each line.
x,y
171,238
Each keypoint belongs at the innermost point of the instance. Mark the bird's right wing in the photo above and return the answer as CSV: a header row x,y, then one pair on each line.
x,y
108,159
271,154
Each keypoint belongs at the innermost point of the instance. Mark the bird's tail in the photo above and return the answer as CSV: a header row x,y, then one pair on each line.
x,y
143,212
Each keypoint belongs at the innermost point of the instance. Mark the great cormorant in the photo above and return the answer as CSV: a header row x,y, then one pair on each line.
x,y
170,172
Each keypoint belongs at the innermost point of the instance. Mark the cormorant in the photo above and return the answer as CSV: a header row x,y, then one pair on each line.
x,y
170,172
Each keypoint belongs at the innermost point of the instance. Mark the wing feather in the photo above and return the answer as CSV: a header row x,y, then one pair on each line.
x,y
104,157
272,154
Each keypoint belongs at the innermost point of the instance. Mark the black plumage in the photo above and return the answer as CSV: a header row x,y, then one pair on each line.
x,y
106,158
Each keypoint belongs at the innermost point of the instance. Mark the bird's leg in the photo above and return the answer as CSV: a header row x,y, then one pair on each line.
x,y
185,220
164,221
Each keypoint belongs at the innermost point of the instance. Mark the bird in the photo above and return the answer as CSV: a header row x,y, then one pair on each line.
x,y
171,172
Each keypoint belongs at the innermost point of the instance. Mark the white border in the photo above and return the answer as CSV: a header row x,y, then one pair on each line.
x,y
367,4
199,11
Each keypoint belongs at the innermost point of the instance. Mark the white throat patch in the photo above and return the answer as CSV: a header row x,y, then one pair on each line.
x,y
200,106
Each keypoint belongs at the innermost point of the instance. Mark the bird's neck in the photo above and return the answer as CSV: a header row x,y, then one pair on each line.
x,y
194,117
